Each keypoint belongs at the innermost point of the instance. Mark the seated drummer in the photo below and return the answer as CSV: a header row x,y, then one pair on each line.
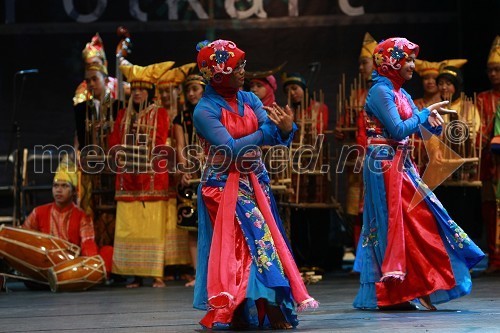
x,y
64,219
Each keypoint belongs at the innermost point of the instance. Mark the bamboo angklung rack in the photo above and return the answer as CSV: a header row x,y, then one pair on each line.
x,y
348,107
309,119
468,148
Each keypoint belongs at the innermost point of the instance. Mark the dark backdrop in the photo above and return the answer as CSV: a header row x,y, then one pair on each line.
x,y
38,34
41,35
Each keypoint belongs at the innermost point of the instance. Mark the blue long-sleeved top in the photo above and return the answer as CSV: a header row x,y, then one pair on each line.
x,y
380,103
207,121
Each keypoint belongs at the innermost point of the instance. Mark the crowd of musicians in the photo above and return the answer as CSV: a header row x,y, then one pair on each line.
x,y
143,225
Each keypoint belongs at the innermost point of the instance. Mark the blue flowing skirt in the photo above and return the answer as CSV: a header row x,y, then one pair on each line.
x,y
462,251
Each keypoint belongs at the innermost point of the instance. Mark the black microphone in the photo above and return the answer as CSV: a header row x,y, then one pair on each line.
x,y
27,71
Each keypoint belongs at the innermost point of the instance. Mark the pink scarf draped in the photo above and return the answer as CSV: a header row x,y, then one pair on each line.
x,y
226,284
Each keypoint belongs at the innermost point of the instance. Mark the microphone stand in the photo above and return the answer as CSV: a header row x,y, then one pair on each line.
x,y
16,130
314,68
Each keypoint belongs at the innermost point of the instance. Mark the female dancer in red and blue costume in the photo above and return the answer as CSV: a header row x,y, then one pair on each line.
x,y
246,275
406,251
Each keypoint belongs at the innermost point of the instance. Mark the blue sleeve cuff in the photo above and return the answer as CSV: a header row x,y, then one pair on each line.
x,y
434,130
272,135
423,115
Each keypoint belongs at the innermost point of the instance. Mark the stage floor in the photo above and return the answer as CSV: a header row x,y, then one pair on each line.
x,y
147,309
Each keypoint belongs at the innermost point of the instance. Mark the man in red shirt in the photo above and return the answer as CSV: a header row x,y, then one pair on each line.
x,y
64,219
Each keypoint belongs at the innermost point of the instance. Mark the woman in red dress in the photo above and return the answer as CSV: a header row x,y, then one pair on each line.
x,y
246,276
409,249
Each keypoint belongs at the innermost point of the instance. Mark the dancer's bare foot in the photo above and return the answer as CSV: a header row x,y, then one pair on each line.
x,y
190,283
426,303
277,318
158,283
187,277
405,306
135,284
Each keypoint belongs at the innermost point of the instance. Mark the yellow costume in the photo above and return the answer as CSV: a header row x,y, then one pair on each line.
x,y
141,197
176,245
457,141
428,68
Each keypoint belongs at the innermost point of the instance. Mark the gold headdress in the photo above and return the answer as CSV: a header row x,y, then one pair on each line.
x,y
369,45
423,67
95,66
95,49
66,172
145,77
194,78
494,56
175,76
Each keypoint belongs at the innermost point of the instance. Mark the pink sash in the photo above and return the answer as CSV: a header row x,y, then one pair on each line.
x,y
226,284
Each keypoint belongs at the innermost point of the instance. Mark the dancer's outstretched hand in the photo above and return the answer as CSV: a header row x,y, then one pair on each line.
x,y
282,117
440,109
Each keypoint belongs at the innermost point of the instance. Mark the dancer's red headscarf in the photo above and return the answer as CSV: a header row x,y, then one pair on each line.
x,y
217,61
390,56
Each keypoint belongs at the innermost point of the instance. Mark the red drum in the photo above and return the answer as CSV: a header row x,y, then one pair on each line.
x,y
33,253
78,274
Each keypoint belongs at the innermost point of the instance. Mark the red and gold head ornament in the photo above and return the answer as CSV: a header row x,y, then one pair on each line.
x,y
218,59
95,49
390,56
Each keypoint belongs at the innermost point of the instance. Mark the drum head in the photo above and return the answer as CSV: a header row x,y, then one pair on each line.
x,y
78,274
